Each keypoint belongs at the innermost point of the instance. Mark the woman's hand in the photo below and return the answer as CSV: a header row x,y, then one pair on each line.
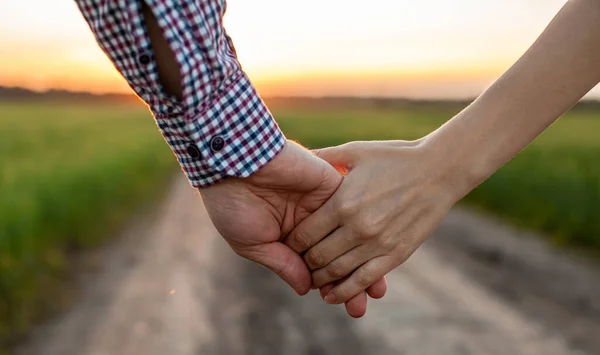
x,y
396,193
393,196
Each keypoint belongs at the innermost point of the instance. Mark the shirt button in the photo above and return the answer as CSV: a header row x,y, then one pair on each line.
x,y
194,152
217,144
144,59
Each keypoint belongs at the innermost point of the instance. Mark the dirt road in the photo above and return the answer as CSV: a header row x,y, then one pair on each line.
x,y
170,285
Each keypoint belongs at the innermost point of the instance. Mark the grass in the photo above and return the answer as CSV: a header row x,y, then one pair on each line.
x,y
553,186
69,176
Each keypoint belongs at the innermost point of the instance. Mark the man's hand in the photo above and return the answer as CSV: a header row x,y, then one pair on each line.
x,y
253,214
256,213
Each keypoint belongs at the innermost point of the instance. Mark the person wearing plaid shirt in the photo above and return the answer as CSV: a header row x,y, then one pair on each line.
x,y
279,201
256,186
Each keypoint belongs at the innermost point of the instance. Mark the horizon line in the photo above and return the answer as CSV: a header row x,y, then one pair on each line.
x,y
265,97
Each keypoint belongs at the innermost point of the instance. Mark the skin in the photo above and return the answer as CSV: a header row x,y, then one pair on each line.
x,y
254,214
396,193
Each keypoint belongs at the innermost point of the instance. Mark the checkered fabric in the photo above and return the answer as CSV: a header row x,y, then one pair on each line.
x,y
221,127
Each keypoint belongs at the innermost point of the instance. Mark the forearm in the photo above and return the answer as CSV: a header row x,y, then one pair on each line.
x,y
559,69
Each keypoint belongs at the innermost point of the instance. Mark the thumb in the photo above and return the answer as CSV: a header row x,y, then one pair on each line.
x,y
342,157
283,261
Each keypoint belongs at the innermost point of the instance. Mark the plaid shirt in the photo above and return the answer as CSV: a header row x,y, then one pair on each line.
x,y
221,127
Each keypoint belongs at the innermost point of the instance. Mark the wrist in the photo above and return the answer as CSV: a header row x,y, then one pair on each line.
x,y
453,165
293,166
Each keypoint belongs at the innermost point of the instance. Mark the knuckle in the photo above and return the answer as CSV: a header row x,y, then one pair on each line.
x,y
365,277
350,146
355,147
368,227
402,260
404,256
368,230
400,253
314,258
302,240
335,270
346,208
388,244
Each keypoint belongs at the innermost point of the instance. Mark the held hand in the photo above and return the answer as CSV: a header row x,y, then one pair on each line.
x,y
391,199
253,214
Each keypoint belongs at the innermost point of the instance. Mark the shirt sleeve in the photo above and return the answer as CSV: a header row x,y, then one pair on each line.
x,y
221,127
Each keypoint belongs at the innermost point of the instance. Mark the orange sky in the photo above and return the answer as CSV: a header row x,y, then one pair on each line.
x,y
425,48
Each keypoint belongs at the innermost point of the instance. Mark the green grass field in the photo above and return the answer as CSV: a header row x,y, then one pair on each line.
x,y
69,176
553,186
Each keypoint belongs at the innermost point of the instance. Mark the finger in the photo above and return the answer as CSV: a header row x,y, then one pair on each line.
x,y
324,291
343,266
313,228
356,307
324,252
360,280
284,262
377,290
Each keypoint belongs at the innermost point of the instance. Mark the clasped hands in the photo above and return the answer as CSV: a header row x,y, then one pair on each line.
x,y
338,219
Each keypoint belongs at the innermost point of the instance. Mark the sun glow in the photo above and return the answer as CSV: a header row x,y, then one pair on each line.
x,y
427,48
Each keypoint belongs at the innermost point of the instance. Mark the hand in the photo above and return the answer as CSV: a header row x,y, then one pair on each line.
x,y
253,214
392,198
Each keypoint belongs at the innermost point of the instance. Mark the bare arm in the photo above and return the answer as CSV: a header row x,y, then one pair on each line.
x,y
396,193
561,67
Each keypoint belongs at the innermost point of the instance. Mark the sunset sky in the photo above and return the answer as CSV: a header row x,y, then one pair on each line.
x,y
424,48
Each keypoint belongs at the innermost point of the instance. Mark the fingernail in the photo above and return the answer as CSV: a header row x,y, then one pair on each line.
x,y
330,298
